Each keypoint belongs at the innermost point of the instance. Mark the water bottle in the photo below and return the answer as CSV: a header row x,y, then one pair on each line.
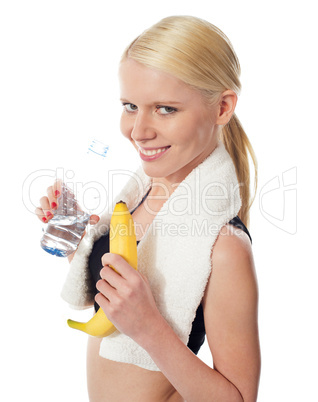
x,y
65,230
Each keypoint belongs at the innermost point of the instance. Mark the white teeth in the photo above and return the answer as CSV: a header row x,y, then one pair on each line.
x,y
151,152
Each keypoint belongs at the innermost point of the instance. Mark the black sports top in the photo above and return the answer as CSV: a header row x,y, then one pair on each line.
x,y
101,246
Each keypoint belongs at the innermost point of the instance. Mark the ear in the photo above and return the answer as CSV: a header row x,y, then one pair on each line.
x,y
227,106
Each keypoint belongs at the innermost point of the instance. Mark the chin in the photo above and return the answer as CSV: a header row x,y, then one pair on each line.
x,y
155,172
152,171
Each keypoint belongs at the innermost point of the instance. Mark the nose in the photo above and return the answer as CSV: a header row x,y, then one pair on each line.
x,y
143,128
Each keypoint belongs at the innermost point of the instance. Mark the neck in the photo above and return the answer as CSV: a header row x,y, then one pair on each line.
x,y
162,187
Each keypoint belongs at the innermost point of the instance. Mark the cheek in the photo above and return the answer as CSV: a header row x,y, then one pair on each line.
x,y
204,128
125,127
189,131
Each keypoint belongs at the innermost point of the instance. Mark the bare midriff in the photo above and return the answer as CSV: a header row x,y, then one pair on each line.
x,y
113,381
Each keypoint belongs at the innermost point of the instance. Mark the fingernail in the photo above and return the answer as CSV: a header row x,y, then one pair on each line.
x,y
48,214
53,204
44,219
56,193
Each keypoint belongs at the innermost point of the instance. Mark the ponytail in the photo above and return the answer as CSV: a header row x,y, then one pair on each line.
x,y
238,146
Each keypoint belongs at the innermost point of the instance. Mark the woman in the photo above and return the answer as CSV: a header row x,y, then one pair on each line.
x,y
179,83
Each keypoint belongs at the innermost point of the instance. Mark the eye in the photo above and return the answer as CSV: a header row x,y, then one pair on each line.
x,y
166,109
130,107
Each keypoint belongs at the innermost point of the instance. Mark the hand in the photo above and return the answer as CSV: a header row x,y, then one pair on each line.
x,y
49,203
125,297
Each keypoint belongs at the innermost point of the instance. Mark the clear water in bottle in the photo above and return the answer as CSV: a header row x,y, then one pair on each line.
x,y
65,230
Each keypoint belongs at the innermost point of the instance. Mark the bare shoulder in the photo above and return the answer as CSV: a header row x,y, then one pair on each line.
x,y
231,309
232,257
233,275
232,243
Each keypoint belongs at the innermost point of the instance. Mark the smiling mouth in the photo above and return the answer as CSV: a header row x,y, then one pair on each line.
x,y
151,152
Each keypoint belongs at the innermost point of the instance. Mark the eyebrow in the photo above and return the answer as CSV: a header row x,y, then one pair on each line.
x,y
156,102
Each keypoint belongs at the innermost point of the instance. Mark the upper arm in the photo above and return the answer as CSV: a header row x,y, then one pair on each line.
x,y
230,313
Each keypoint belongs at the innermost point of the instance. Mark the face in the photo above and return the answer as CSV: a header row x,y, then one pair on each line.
x,y
169,123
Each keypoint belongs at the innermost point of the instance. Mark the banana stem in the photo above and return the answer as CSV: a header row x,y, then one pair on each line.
x,y
81,326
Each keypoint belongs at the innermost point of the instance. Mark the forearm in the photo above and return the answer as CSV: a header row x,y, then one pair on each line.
x,y
192,378
70,257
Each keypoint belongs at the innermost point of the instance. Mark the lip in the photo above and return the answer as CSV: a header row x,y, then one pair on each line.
x,y
150,149
148,158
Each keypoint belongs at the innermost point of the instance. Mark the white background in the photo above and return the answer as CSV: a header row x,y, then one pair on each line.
x,y
58,89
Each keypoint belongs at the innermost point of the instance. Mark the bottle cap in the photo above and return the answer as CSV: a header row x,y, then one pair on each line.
x,y
98,148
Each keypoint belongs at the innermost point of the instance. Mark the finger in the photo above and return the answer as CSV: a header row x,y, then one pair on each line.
x,y
94,219
52,198
40,214
112,259
102,301
46,208
113,278
105,289
119,264
57,188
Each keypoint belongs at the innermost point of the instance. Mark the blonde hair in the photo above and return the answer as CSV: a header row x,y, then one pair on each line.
x,y
199,54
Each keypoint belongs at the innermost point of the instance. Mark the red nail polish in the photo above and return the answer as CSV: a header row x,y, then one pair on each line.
x,y
54,205
48,213
56,193
44,219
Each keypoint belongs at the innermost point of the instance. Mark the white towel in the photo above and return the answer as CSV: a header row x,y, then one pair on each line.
x,y
175,252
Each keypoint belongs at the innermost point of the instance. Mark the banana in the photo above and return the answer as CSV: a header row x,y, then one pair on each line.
x,y
122,241
99,325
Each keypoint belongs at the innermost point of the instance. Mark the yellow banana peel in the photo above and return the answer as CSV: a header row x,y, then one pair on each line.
x,y
122,241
